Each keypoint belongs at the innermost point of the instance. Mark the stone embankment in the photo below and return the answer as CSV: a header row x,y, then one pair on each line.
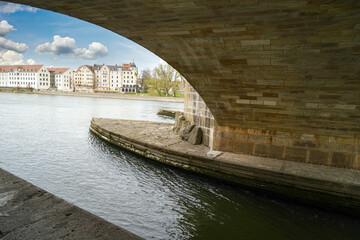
x,y
324,186
94,95
28,212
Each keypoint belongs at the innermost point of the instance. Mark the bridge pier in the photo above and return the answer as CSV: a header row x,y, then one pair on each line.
x,y
330,150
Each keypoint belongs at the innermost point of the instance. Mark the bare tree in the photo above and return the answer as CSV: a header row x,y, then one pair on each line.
x,y
145,76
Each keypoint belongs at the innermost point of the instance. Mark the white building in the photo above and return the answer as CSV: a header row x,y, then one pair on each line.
x,y
62,78
108,77
129,78
84,79
116,78
25,76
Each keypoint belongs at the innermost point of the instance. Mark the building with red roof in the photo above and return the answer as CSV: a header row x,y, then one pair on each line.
x,y
61,78
84,79
25,76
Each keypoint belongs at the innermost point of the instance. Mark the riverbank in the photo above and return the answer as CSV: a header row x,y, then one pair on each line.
x,y
28,212
323,186
99,95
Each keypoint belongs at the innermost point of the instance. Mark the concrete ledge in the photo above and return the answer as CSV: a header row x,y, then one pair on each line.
x,y
28,212
324,186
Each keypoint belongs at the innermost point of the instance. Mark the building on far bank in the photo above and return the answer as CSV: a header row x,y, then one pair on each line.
x,y
116,78
25,76
62,78
129,78
84,79
108,77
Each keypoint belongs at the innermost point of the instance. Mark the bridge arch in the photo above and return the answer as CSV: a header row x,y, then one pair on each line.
x,y
281,78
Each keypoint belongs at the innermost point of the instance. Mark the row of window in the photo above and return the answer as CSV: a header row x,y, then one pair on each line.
x,y
21,78
22,74
128,90
22,83
20,70
59,85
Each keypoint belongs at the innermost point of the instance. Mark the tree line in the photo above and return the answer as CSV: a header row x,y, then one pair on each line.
x,y
163,79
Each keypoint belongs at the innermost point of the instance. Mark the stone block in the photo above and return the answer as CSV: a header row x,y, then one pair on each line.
x,y
342,159
256,102
357,162
225,30
195,136
270,103
243,101
261,150
260,61
185,133
206,140
179,122
296,154
255,42
257,138
307,144
243,147
345,107
255,94
275,151
319,157
308,137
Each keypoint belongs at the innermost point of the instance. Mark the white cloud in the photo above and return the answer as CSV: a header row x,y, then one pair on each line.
x,y
59,46
6,7
96,50
30,61
14,46
11,58
5,28
7,44
67,46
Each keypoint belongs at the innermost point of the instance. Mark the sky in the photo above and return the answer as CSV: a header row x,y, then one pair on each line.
x,y
34,36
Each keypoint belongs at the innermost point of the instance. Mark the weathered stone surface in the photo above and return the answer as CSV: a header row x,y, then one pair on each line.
x,y
186,131
28,212
319,157
168,112
343,159
195,136
180,122
326,186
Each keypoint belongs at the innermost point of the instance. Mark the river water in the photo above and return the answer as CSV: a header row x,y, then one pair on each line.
x,y
46,140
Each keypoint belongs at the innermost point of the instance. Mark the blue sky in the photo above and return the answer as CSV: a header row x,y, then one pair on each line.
x,y
36,28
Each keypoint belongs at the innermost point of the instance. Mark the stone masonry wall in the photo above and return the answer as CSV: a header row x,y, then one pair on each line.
x,y
311,148
196,111
290,145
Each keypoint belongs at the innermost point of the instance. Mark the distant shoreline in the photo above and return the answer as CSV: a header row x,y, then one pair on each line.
x,y
105,95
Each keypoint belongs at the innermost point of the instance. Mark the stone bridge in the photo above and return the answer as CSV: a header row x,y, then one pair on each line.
x,y
281,77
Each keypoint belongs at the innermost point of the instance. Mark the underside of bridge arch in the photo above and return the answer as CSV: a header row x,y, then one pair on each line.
x,y
281,77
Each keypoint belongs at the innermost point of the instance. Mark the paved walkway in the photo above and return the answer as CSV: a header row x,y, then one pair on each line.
x,y
115,96
326,186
